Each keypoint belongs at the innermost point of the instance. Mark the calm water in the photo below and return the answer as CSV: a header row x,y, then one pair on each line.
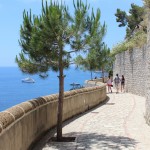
x,y
13,91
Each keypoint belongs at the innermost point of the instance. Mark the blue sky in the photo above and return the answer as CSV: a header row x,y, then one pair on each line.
x,y
11,19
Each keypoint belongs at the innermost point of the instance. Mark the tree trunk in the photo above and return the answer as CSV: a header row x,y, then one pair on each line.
x,y
61,96
91,76
103,74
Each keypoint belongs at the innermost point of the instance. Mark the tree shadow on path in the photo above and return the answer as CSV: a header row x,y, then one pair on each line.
x,y
94,141
102,141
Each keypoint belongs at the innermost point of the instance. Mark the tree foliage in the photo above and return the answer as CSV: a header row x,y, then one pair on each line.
x,y
95,50
104,59
136,31
87,63
132,20
96,59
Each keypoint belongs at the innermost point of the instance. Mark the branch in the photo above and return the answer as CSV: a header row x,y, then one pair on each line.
x,y
72,51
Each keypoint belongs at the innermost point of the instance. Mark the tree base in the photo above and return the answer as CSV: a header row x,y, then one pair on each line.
x,y
63,139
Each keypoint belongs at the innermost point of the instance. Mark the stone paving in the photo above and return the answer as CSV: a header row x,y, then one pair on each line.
x,y
116,125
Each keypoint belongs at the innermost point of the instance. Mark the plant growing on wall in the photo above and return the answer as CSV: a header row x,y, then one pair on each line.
x,y
137,40
44,40
136,31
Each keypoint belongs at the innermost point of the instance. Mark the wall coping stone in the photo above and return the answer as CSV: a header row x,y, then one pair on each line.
x,y
14,113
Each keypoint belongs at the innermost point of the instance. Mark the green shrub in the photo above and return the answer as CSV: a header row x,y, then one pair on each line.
x,y
138,40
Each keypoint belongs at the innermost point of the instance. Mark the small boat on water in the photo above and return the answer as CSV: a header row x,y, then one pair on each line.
x,y
28,80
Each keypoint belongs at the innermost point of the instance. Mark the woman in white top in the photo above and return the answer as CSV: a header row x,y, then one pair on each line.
x,y
109,84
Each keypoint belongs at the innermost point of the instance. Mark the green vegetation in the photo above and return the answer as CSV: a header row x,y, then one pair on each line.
x,y
136,41
44,40
104,60
98,54
136,28
132,20
87,63
96,59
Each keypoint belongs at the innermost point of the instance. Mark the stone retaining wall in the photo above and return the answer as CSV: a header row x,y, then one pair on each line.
x,y
24,123
132,64
147,72
135,65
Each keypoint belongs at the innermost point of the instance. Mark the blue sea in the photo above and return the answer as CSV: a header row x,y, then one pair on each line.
x,y
13,91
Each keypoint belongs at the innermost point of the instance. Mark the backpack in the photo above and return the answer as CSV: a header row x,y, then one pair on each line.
x,y
117,80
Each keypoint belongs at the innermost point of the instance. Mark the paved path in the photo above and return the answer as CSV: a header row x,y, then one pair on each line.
x,y
117,125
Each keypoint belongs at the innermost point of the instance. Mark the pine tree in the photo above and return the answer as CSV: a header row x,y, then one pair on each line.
x,y
131,20
44,41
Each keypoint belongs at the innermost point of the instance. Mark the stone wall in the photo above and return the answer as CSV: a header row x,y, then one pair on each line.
x,y
147,114
24,123
132,64
135,65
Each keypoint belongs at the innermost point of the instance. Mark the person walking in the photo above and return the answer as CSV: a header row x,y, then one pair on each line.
x,y
117,81
109,84
122,83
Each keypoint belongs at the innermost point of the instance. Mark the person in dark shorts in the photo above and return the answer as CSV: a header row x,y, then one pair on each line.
x,y
117,81
122,83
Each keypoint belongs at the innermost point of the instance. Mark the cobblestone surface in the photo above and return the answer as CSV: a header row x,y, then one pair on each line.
x,y
118,124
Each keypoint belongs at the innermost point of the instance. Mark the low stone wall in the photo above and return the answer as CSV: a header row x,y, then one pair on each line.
x,y
98,81
24,123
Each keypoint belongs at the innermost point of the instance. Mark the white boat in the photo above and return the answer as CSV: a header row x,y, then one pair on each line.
x,y
28,80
